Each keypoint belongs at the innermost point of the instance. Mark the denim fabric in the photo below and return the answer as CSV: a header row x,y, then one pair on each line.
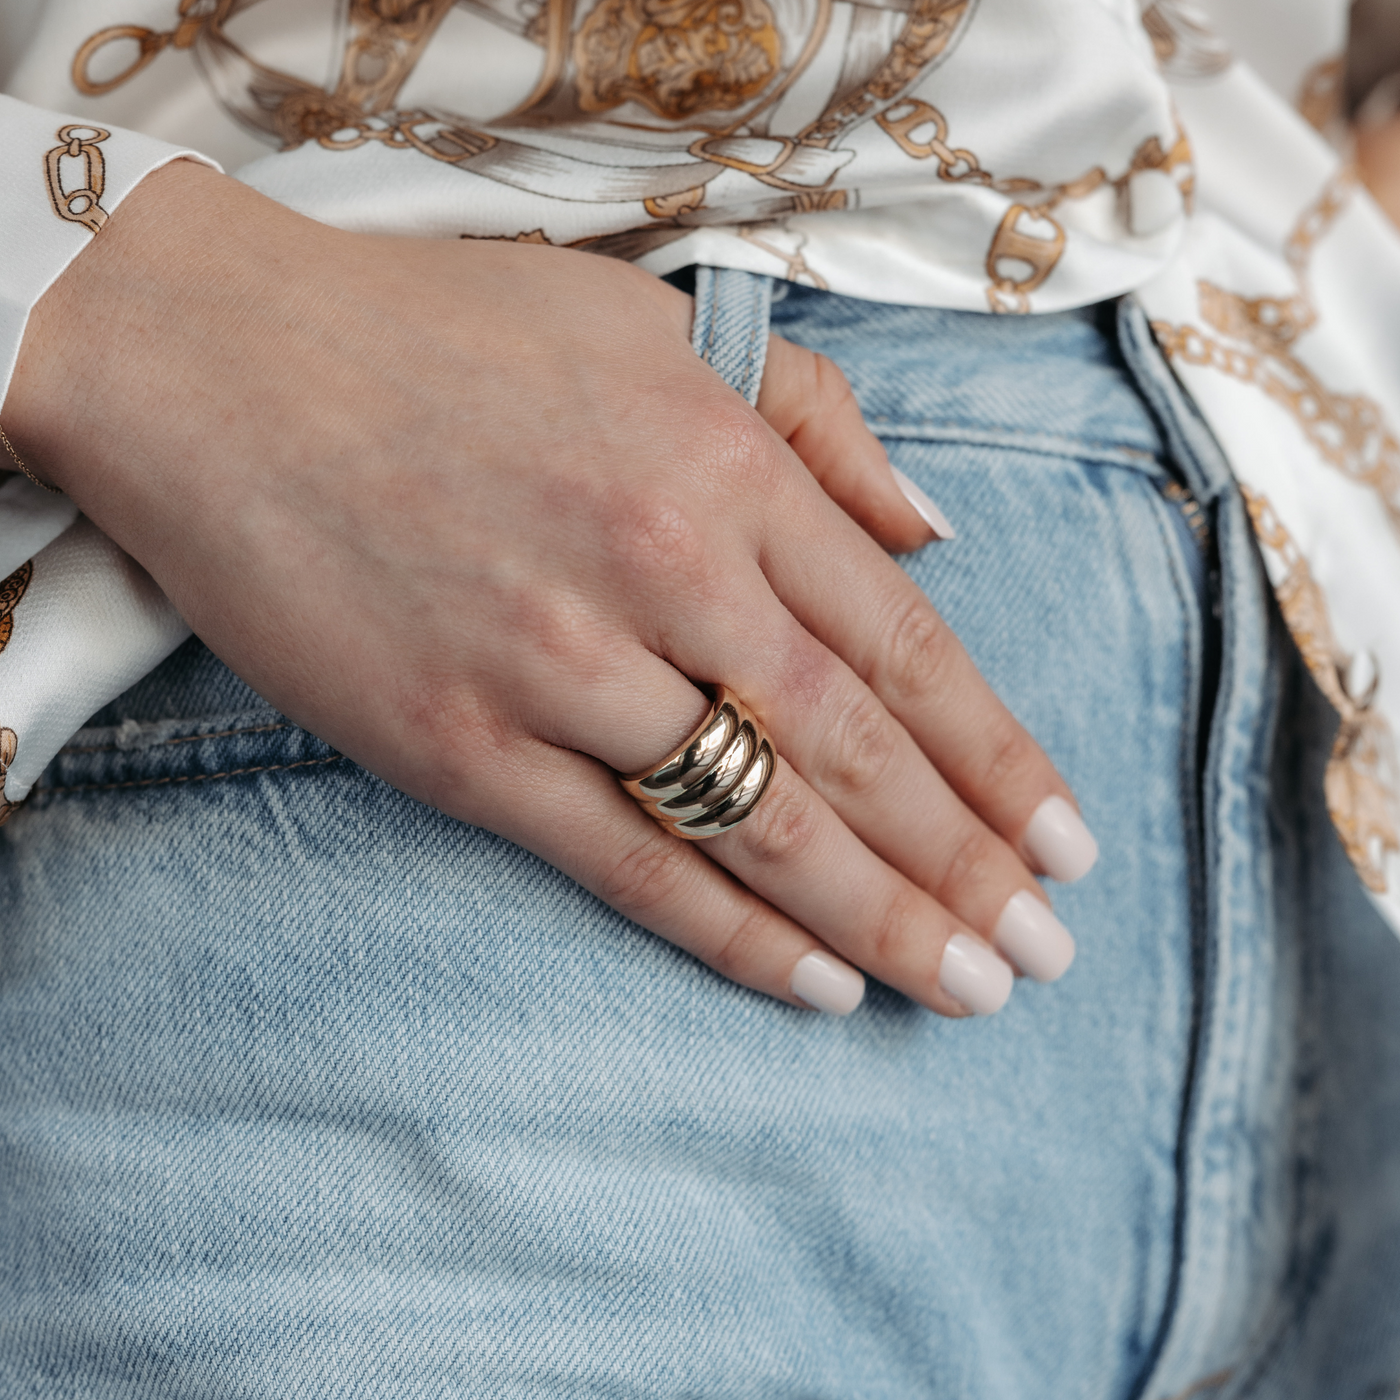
x,y
730,329
308,1090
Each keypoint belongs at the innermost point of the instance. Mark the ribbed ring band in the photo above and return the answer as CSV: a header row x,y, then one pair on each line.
x,y
713,780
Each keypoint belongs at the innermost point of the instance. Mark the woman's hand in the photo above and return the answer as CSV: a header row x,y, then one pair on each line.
x,y
477,515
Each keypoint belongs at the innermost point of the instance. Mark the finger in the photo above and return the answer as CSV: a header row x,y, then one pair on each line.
x,y
801,857
860,605
808,402
867,768
667,885
797,853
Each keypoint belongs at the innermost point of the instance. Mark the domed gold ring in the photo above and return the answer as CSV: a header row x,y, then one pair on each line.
x,y
715,779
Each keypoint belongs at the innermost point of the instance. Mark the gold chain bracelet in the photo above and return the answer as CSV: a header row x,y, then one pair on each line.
x,y
18,461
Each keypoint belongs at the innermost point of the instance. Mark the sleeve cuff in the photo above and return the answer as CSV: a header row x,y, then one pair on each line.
x,y
62,178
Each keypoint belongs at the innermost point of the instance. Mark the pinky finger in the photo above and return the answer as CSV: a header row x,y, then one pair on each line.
x,y
808,401
667,885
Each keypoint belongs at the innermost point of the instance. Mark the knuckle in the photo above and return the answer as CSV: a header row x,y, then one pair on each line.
x,y
919,649
968,862
861,745
737,446
894,926
1010,754
562,629
452,719
655,534
645,876
803,669
732,956
471,743
784,827
832,388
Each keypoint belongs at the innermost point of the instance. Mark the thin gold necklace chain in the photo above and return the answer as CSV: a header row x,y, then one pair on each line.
x,y
19,462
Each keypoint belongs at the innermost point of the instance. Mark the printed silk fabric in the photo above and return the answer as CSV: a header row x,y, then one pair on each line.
x,y
1005,156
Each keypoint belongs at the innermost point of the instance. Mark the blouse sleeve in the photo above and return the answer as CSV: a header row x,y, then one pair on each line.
x,y
79,620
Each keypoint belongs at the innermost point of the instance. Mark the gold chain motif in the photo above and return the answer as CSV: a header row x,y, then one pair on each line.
x,y
385,40
1028,233
1184,45
12,590
9,747
1322,93
932,26
1258,336
81,206
1348,431
680,60
19,462
1362,783
677,58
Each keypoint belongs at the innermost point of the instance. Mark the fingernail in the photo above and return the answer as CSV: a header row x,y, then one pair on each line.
x,y
1059,843
973,975
1033,938
928,512
827,984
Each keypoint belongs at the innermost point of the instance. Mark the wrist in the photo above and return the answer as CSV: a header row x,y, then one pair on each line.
x,y
91,359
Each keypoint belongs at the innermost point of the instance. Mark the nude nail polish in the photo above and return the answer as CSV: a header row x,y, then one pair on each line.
x,y
827,984
1033,938
928,512
973,975
1059,843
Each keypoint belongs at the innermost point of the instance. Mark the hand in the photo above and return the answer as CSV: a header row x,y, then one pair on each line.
x,y
476,514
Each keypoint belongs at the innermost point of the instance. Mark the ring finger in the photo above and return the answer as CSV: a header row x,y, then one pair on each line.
x,y
798,855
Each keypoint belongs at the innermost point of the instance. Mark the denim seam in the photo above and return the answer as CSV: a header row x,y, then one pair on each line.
x,y
1190,441
182,739
1309,1246
192,777
1206,955
1246,1372
757,314
1224,1024
1190,781
1015,440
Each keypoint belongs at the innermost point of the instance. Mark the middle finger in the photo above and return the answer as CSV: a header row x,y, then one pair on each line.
x,y
865,768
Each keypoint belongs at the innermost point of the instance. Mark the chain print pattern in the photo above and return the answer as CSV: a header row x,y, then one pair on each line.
x,y
12,590
81,206
1028,233
9,747
1348,431
1322,92
681,61
385,39
1183,42
1362,782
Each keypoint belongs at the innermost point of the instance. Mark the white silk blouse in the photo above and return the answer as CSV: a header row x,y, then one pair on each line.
x,y
1003,156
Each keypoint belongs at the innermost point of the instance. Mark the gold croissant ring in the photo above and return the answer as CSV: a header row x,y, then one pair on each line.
x,y
713,780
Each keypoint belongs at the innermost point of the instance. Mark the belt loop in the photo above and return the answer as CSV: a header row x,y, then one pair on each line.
x,y
730,331
1197,456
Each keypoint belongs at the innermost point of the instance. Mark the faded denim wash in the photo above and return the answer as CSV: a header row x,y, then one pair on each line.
x,y
307,1090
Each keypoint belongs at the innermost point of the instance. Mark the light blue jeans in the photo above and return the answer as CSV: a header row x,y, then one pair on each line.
x,y
306,1090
